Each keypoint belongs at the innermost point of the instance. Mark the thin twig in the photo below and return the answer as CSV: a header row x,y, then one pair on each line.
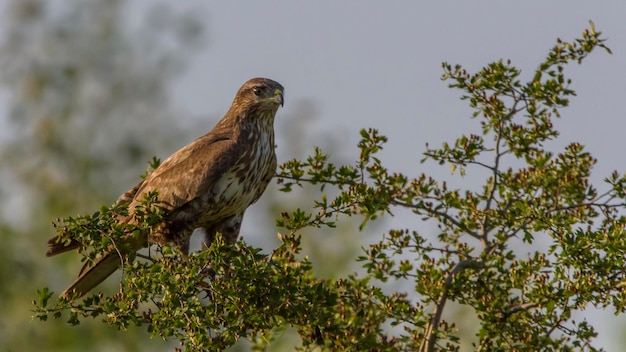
x,y
484,225
311,181
147,257
441,214
491,168
428,343
522,307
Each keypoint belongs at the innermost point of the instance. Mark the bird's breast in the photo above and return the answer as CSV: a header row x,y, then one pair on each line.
x,y
242,184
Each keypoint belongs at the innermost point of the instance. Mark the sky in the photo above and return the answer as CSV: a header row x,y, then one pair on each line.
x,y
365,64
377,64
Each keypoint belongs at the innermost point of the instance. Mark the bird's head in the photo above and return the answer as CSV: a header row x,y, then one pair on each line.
x,y
260,94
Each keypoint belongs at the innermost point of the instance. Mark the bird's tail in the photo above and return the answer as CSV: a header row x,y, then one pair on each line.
x,y
56,246
91,276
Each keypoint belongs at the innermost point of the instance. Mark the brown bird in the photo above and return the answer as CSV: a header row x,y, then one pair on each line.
x,y
207,184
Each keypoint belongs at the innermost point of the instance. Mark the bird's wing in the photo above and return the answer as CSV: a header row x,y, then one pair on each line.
x,y
128,197
191,171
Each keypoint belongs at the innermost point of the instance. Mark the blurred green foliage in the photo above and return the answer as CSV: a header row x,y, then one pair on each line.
x,y
85,90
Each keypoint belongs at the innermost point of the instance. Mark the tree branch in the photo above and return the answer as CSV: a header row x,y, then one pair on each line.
x,y
441,214
522,307
495,173
311,181
428,343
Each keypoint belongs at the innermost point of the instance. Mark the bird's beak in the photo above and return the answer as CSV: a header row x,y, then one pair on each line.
x,y
278,97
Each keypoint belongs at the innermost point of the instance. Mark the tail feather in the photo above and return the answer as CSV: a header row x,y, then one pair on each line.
x,y
90,277
56,246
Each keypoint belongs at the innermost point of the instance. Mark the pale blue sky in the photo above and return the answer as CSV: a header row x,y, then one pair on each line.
x,y
375,64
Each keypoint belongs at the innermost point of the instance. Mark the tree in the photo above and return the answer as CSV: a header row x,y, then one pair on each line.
x,y
85,93
523,300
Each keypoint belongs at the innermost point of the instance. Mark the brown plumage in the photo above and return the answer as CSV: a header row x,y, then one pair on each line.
x,y
207,184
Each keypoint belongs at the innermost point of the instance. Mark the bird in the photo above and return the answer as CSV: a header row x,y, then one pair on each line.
x,y
208,184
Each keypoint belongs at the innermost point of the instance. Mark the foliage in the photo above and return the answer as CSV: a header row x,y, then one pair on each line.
x,y
524,301
85,87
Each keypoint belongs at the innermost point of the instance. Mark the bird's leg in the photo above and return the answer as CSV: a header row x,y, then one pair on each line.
x,y
183,247
229,228
207,270
209,236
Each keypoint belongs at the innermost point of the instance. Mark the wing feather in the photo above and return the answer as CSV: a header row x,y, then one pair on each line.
x,y
191,171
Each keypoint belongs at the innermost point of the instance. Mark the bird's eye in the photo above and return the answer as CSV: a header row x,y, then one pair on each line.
x,y
257,90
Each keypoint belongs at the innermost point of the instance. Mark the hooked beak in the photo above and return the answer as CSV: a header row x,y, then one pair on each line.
x,y
278,97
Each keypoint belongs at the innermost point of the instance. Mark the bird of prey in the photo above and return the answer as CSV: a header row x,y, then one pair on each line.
x,y
207,184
